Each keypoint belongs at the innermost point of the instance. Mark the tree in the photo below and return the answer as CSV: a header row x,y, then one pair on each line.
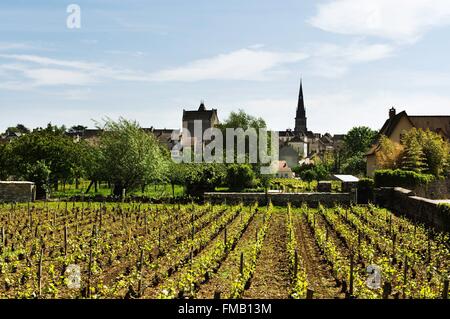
x,y
242,120
312,172
246,121
39,173
5,157
240,176
358,140
19,128
129,157
413,157
77,128
355,165
356,143
436,151
425,151
389,154
52,148
203,177
175,174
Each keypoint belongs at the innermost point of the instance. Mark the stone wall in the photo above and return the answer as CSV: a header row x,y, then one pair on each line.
x,y
281,199
438,189
17,192
404,202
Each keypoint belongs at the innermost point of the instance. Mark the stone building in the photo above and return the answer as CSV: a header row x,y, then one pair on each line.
x,y
399,123
304,143
17,191
206,118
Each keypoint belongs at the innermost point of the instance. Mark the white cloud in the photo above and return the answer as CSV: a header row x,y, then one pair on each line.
x,y
5,46
244,64
50,62
400,20
44,71
45,77
334,61
253,63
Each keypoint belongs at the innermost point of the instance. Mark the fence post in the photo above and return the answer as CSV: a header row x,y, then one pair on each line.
x,y
241,267
141,262
351,274
225,238
40,272
405,272
65,240
295,263
387,289
445,290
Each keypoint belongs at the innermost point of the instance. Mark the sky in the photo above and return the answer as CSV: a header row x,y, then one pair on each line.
x,y
149,60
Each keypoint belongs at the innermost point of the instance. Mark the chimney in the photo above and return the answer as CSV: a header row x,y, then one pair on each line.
x,y
392,112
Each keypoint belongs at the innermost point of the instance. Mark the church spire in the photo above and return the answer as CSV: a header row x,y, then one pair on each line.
x,y
300,118
301,105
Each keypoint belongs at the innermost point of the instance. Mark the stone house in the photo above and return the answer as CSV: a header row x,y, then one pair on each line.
x,y
207,118
398,123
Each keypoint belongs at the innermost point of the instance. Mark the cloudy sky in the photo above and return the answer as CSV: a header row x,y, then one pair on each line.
x,y
149,60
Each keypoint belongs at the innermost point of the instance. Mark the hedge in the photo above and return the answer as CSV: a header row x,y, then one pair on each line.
x,y
400,178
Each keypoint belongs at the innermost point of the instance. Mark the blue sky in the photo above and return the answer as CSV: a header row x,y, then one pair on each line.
x,y
149,60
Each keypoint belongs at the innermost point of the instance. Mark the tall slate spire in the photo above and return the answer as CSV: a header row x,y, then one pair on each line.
x,y
300,118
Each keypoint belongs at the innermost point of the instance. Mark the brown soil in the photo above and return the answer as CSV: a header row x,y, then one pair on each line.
x,y
319,275
271,276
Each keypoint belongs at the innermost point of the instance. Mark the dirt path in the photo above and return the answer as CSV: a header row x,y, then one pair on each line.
x,y
229,269
319,274
271,277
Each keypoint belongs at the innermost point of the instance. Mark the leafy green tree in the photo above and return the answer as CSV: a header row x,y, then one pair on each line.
x,y
243,120
39,173
77,128
358,140
90,165
129,157
240,176
5,161
201,177
355,165
50,146
436,151
413,157
356,143
176,174
312,172
19,128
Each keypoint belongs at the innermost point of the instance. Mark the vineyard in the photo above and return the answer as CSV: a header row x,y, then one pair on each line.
x,y
133,250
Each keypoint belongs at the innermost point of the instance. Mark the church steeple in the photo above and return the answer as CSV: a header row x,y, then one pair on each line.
x,y
300,118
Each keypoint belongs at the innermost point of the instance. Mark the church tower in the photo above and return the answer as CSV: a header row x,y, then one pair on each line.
x,y
300,118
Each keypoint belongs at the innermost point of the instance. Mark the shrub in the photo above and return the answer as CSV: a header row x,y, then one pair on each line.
x,y
240,176
365,190
311,172
366,184
402,178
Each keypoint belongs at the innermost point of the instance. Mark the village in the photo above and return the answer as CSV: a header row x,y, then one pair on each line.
x,y
231,157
